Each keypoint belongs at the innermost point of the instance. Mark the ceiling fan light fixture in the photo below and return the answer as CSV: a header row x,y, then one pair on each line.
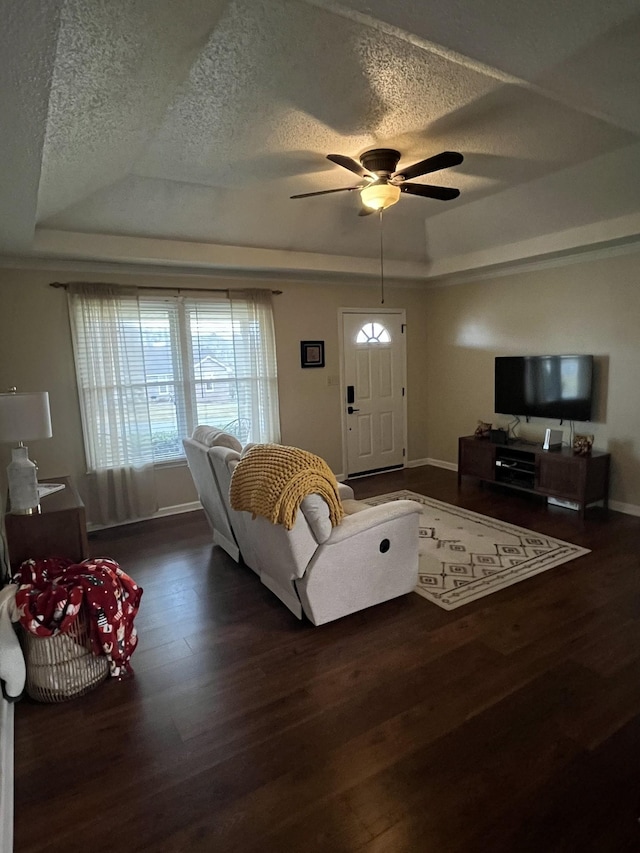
x,y
379,196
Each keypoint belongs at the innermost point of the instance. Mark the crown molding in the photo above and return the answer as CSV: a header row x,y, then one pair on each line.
x,y
212,259
188,260
553,260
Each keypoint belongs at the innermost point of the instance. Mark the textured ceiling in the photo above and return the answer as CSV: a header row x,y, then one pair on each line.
x,y
192,122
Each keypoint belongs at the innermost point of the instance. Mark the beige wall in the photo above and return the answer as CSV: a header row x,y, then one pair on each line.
x,y
310,409
36,354
453,335
588,307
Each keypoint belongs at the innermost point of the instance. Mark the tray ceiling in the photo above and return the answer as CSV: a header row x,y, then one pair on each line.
x,y
175,130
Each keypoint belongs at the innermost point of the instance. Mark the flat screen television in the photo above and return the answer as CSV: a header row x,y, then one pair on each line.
x,y
545,386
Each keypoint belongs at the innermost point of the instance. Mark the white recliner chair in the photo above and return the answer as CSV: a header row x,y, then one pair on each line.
x,y
315,569
212,455
204,450
327,572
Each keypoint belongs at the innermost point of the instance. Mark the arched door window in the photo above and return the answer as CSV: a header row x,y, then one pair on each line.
x,y
373,333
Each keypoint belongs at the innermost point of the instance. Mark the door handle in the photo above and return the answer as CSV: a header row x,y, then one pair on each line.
x,y
351,410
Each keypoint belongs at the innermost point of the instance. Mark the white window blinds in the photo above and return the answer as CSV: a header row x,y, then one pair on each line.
x,y
150,368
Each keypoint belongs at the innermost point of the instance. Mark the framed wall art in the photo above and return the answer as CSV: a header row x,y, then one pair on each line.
x,y
311,353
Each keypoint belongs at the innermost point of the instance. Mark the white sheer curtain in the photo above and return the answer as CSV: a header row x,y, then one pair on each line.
x,y
150,367
110,368
256,365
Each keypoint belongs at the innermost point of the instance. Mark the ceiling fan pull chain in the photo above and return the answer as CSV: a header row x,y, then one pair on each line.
x,y
381,263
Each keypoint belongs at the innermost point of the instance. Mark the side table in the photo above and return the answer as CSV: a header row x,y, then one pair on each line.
x,y
58,530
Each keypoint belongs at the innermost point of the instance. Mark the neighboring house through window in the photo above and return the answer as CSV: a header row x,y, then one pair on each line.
x,y
151,367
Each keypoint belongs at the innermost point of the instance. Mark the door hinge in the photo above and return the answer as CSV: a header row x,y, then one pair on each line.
x,y
403,326
403,392
404,452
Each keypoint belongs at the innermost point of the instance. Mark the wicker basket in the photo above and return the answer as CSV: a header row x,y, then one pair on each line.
x,y
63,666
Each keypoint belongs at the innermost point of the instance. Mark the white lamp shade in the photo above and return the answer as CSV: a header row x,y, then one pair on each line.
x,y
25,417
380,196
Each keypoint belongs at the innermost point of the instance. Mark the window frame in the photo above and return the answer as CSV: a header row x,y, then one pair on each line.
x,y
181,386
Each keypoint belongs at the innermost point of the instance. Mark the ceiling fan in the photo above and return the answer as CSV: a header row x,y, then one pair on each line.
x,y
383,184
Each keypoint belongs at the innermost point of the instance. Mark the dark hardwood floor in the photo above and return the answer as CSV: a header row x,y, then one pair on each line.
x,y
510,724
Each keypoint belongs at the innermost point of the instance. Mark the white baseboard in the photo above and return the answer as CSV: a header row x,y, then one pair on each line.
x,y
628,509
617,506
436,463
177,509
163,512
440,463
416,463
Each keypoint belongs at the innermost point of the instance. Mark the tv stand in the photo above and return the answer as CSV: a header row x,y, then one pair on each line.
x,y
529,468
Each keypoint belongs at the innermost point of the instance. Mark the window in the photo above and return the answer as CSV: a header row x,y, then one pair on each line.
x,y
373,333
150,368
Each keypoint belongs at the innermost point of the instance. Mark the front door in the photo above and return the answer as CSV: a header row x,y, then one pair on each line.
x,y
374,387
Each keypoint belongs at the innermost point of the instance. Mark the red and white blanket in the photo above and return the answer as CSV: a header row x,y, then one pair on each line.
x,y
51,592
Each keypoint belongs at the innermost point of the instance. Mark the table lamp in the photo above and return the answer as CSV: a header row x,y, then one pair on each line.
x,y
24,417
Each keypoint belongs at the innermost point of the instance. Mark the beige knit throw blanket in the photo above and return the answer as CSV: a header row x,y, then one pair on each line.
x,y
272,479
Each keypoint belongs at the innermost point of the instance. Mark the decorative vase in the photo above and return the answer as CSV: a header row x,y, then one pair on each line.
x,y
23,482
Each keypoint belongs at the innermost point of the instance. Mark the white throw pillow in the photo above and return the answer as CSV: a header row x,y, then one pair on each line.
x,y
225,439
316,510
214,437
205,434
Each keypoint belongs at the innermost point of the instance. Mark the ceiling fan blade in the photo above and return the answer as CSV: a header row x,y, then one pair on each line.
x,y
429,191
325,192
348,163
432,164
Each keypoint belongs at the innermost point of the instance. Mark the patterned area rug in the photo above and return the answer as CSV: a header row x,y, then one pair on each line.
x,y
465,555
